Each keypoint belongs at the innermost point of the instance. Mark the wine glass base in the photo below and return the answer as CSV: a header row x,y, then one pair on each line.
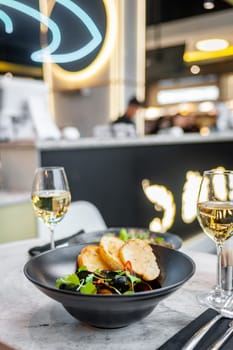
x,y
214,299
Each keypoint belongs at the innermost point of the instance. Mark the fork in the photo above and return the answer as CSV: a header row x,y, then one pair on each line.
x,y
226,311
217,345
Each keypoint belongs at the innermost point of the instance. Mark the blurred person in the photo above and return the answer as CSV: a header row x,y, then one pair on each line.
x,y
185,122
129,116
224,117
163,125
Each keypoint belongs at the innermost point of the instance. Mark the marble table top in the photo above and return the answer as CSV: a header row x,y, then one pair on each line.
x,y
29,320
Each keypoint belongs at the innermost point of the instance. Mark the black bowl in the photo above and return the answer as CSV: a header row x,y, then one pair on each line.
x,y
169,238
107,311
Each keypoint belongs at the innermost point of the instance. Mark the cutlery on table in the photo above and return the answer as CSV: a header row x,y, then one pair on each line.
x,y
217,345
226,312
73,239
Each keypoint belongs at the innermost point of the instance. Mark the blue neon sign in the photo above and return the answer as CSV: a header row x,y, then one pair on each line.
x,y
48,54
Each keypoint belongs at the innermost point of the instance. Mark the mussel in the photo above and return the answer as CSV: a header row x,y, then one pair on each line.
x,y
142,287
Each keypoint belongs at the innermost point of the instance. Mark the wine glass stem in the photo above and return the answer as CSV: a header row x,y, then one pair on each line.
x,y
51,228
219,267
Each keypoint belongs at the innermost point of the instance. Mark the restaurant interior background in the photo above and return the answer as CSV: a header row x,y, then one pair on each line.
x,y
148,51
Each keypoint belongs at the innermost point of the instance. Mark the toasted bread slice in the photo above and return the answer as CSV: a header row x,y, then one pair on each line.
x,y
109,251
90,257
142,258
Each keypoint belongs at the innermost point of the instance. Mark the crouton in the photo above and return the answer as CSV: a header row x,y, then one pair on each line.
x,y
142,258
91,258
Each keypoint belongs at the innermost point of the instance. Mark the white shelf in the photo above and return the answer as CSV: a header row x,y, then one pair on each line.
x,y
12,198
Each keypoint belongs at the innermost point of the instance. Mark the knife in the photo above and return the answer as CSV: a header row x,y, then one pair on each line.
x,y
58,243
194,340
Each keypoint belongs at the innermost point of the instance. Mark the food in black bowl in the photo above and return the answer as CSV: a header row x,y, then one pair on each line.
x,y
114,310
114,267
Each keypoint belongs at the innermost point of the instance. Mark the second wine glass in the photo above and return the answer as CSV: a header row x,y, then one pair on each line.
x,y
215,215
50,196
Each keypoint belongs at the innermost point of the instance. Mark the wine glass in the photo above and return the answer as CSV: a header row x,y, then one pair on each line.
x,y
50,196
215,215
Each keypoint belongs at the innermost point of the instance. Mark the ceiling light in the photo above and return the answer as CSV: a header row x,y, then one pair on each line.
x,y
195,69
206,107
208,4
212,45
190,94
200,56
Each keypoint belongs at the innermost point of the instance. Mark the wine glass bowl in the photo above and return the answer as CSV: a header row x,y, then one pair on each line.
x,y
215,215
50,196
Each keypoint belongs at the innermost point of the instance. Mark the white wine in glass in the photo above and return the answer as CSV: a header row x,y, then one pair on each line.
x,y
50,196
215,215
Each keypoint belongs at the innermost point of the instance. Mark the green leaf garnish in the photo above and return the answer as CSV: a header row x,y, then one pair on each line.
x,y
70,281
132,278
123,235
88,288
129,292
90,277
82,268
159,239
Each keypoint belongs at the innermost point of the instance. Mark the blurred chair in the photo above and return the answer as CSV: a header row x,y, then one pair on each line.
x,y
81,215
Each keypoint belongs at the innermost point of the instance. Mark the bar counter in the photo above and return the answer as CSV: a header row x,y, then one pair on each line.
x,y
147,140
31,320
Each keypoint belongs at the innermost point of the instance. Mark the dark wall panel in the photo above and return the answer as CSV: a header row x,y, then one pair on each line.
x,y
111,177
